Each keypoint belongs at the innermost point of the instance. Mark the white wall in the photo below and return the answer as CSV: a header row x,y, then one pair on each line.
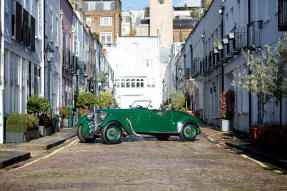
x,y
137,58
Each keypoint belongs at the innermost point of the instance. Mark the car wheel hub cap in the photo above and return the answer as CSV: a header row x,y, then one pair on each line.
x,y
189,131
113,133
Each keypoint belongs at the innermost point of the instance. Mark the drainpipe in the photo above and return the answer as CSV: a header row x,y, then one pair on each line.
x,y
249,72
2,75
222,37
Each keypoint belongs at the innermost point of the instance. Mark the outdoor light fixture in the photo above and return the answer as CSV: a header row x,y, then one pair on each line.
x,y
225,41
49,53
220,11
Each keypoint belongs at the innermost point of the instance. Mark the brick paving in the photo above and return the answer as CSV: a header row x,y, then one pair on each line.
x,y
144,164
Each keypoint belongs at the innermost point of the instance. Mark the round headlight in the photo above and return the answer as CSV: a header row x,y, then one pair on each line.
x,y
90,116
103,115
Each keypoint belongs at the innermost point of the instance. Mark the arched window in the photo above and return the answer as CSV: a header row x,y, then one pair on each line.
x,y
123,83
142,83
138,83
133,83
128,83
117,83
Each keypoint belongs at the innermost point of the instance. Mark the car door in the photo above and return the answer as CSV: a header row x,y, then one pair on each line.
x,y
151,122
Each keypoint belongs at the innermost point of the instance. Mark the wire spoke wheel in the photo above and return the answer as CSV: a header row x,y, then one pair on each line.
x,y
189,131
111,133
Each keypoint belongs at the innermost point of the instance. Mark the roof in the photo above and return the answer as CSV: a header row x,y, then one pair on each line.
x,y
184,23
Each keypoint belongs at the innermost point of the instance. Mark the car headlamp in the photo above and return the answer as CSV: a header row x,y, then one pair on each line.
x,y
90,116
103,115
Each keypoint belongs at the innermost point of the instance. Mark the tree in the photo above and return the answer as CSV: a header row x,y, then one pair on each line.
x,y
104,100
260,79
280,72
37,105
177,100
86,100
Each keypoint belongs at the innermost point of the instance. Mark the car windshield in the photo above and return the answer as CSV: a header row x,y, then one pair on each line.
x,y
141,103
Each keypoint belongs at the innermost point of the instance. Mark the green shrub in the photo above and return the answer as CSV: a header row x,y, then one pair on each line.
x,y
177,100
37,105
86,100
104,100
21,122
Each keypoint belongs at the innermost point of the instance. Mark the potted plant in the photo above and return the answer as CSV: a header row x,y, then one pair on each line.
x,y
227,105
39,107
21,127
85,101
64,113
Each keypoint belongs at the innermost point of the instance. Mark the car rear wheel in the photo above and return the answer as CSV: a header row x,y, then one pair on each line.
x,y
111,133
81,136
189,131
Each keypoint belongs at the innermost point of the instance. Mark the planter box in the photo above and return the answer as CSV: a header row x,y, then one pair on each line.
x,y
226,125
45,131
22,137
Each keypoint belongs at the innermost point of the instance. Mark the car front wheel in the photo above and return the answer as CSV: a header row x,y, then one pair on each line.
x,y
111,133
81,136
189,131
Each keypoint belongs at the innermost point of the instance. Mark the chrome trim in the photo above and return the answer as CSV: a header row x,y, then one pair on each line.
x,y
131,126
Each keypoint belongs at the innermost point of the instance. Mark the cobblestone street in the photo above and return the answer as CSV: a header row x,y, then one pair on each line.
x,y
142,164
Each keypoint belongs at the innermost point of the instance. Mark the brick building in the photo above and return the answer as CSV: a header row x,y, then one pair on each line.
x,y
103,17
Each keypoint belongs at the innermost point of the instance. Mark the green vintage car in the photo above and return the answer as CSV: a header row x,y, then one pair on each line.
x,y
112,124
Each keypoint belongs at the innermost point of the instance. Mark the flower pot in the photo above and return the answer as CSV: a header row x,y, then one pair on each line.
x,y
256,134
226,125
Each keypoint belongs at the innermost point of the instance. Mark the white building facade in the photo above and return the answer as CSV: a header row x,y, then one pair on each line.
x,y
53,68
22,60
252,23
136,62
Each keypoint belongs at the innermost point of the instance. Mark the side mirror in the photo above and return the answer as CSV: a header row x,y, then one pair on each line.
x,y
130,106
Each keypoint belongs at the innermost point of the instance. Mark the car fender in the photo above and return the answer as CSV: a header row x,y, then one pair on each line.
x,y
84,121
123,122
183,120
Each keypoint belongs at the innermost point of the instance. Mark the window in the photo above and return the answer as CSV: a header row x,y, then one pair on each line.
x,y
142,83
37,84
106,37
117,83
106,21
128,85
133,83
138,83
282,15
122,83
107,5
18,22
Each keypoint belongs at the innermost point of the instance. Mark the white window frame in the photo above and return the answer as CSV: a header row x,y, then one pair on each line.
x,y
106,21
105,35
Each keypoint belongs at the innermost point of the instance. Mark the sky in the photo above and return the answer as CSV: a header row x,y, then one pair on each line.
x,y
140,4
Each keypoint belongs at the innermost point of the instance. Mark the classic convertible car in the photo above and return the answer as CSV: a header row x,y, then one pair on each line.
x,y
112,124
